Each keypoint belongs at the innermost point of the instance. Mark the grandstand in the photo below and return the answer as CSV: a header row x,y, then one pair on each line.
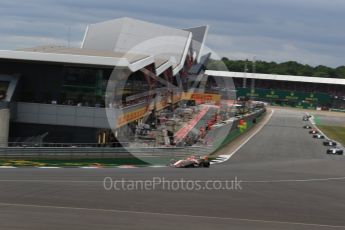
x,y
285,90
62,91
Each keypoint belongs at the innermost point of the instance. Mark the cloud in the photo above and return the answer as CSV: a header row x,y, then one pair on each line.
x,y
308,31
271,49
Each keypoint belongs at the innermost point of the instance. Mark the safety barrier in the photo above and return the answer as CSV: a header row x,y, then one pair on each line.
x,y
99,152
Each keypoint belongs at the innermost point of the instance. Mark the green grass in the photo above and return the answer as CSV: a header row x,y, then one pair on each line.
x,y
336,133
101,162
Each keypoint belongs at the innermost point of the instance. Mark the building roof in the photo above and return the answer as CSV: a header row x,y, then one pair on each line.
x,y
60,54
132,58
123,42
162,65
198,39
131,35
321,80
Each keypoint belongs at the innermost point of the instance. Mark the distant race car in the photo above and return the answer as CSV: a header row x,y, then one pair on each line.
x,y
336,151
318,136
191,162
307,127
306,117
314,131
329,143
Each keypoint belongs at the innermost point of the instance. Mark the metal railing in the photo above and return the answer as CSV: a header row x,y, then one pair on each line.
x,y
139,144
75,150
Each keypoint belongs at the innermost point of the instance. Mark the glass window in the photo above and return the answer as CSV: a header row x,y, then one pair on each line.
x,y
3,89
84,86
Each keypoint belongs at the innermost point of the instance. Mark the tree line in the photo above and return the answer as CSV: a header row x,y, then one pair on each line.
x,y
284,68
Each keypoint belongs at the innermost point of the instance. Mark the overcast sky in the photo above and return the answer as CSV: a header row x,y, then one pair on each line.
x,y
308,31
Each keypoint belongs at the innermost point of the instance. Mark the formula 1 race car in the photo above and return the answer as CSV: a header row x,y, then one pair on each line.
x,y
329,143
191,162
336,151
314,131
318,136
305,118
307,127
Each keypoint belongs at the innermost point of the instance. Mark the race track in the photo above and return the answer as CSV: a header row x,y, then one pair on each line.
x,y
288,182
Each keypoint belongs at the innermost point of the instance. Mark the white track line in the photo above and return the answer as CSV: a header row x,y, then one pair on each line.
x,y
170,215
48,167
89,167
227,157
217,161
295,180
201,181
312,121
157,166
53,181
251,136
86,167
127,166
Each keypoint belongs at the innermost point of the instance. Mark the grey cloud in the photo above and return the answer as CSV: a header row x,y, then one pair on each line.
x,y
262,28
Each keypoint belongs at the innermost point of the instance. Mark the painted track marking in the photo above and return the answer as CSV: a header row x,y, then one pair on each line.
x,y
201,181
169,215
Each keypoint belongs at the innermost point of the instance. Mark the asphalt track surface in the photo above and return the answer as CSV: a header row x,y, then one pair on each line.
x,y
288,182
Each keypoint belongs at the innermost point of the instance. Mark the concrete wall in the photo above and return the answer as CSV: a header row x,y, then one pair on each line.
x,y
4,126
65,115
